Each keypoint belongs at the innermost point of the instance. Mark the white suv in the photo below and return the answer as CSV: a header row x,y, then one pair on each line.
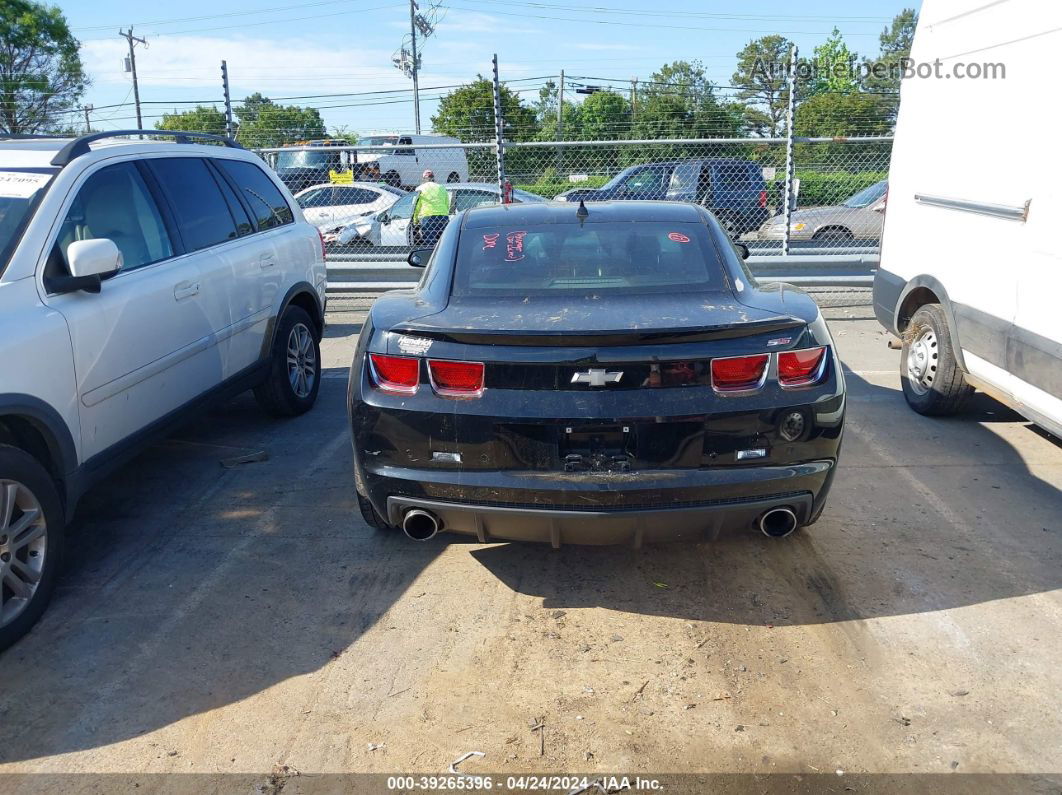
x,y
139,280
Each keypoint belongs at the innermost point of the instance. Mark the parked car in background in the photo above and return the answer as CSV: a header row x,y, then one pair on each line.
x,y
859,217
391,227
406,157
331,206
140,280
971,268
598,376
733,190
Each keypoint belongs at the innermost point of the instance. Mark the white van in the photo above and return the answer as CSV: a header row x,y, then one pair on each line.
x,y
406,157
971,258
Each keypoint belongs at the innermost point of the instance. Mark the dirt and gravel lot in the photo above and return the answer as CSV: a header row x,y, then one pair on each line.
x,y
219,621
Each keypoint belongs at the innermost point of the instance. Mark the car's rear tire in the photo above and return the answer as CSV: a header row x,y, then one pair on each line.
x,y
295,367
31,541
453,177
932,380
371,515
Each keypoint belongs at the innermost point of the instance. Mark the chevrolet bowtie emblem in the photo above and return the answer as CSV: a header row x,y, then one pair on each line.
x,y
597,378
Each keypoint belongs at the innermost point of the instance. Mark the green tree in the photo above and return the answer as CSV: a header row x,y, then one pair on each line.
x,y
467,113
761,77
263,123
883,76
679,102
344,133
834,68
41,76
202,118
605,116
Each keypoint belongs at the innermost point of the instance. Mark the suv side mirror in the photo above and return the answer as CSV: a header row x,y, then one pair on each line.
x,y
90,262
419,257
743,250
99,257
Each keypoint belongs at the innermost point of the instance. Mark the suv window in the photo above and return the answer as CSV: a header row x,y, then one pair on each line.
x,y
267,203
115,203
202,215
646,181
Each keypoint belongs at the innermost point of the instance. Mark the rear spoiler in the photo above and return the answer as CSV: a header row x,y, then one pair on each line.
x,y
603,338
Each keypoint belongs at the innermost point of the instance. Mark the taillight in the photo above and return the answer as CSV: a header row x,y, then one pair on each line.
x,y
320,236
763,199
398,374
801,368
739,373
456,379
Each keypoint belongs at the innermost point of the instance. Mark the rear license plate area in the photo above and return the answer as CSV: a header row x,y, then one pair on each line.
x,y
599,448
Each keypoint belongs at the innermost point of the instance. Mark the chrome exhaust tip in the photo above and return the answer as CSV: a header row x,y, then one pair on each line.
x,y
777,522
420,525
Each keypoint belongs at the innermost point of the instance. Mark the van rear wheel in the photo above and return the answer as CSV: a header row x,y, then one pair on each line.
x,y
453,177
932,380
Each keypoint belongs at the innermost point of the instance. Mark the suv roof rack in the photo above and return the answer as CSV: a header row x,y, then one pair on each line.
x,y
80,146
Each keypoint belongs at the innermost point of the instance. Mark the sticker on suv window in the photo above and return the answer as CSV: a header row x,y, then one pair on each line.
x,y
677,237
490,241
21,184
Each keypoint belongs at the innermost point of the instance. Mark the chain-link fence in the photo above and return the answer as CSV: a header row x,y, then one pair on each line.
x,y
361,197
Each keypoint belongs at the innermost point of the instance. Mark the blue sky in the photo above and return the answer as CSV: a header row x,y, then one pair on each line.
x,y
323,47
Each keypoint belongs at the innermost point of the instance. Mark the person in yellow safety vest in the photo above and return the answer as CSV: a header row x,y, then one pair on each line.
x,y
431,211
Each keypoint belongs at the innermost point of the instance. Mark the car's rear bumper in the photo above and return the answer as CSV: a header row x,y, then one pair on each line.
x,y
600,508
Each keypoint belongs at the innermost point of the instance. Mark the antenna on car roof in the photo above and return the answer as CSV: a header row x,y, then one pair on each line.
x,y
582,213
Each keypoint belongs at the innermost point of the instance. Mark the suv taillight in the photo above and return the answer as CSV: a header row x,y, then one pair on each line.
x,y
801,368
398,374
320,236
738,373
456,379
763,199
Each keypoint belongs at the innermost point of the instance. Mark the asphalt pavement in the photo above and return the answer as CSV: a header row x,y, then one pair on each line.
x,y
241,628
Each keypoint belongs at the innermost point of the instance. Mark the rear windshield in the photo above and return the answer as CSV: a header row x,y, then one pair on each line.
x,y
19,191
639,257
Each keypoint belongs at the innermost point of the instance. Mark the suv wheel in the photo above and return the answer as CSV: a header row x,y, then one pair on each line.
x,y
31,541
931,379
295,370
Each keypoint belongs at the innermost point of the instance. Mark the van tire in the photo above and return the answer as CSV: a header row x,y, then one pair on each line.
x,y
932,381
393,179
278,395
19,467
453,177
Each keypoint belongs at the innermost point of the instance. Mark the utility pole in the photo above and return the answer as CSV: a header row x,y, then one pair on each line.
x,y
228,101
560,108
634,98
131,67
416,87
88,110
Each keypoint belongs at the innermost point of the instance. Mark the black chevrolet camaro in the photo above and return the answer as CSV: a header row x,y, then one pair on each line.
x,y
593,375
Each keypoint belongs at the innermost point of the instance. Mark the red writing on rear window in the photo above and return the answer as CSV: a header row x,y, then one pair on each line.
x,y
678,237
489,241
514,246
